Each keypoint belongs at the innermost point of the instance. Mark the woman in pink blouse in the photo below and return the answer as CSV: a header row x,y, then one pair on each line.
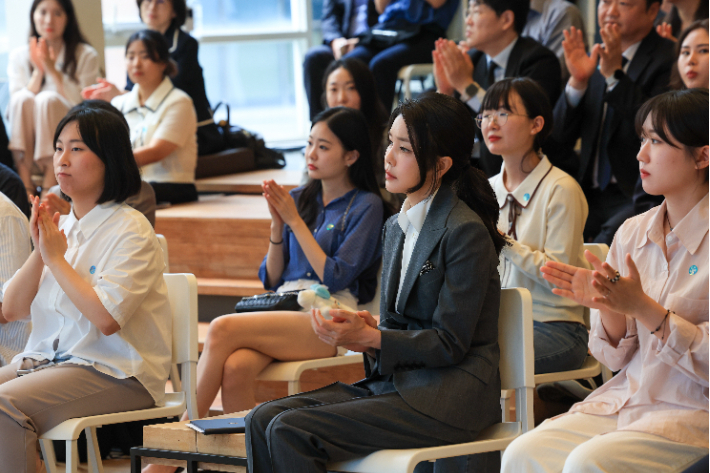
x,y
650,317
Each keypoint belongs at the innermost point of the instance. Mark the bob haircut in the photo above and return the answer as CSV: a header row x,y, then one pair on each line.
x,y
350,127
678,117
676,82
105,133
179,8
72,35
438,126
157,49
534,100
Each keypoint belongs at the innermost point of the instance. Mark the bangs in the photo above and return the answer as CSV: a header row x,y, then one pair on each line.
x,y
497,96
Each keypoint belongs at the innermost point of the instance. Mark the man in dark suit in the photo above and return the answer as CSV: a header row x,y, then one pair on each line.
x,y
599,106
342,21
495,51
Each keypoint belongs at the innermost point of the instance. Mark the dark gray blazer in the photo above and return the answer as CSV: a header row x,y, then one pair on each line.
x,y
441,343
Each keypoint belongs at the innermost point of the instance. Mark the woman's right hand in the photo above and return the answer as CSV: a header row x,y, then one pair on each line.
x,y
36,55
34,218
102,90
575,283
276,220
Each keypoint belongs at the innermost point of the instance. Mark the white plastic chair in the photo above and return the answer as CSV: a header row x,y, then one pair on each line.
x,y
455,32
164,246
517,362
291,371
182,292
591,366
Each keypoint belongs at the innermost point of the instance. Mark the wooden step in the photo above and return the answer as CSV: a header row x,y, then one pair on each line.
x,y
219,237
229,287
249,182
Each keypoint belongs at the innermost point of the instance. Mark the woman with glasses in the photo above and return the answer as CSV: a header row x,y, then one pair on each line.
x,y
542,212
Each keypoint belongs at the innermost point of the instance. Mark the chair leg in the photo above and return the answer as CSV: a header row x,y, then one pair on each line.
x,y
72,456
294,387
92,448
50,459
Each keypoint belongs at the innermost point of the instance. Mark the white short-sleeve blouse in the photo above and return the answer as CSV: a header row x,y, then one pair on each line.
x,y
114,248
19,71
168,114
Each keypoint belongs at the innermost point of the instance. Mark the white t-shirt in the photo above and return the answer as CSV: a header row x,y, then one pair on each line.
x,y
169,115
114,248
87,70
15,248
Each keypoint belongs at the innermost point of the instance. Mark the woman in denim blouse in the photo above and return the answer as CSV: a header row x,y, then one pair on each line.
x,y
327,232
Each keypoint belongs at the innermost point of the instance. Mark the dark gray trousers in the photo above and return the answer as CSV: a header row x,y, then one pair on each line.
x,y
301,433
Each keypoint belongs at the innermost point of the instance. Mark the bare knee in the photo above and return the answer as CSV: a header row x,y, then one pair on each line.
x,y
221,330
47,98
240,368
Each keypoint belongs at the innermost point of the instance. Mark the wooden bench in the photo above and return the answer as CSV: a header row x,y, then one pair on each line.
x,y
249,182
229,287
218,237
176,436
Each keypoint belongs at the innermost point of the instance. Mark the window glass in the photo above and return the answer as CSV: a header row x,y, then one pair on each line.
x,y
119,11
243,14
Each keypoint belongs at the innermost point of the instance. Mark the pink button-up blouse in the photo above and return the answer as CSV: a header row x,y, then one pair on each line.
x,y
662,387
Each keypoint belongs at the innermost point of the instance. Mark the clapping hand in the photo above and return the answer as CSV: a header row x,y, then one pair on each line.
x,y
52,241
36,55
610,54
102,90
46,55
457,65
576,283
665,30
443,86
280,203
351,330
55,204
580,66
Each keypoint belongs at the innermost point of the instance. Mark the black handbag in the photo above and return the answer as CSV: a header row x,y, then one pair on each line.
x,y
270,301
237,137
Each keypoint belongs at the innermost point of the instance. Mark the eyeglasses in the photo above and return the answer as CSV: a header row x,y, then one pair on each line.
x,y
500,117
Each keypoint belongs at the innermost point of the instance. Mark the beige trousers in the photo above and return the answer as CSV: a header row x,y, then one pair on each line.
x,y
583,443
33,120
32,404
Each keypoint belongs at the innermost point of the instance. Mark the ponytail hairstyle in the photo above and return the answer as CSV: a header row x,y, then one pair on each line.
x,y
439,125
72,36
350,127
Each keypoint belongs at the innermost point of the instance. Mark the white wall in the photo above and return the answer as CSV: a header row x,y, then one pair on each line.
x,y
88,12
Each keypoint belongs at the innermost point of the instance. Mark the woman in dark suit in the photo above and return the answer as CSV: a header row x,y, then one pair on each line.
x,y
432,363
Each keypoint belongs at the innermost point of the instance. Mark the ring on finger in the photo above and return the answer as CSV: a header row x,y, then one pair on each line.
x,y
616,277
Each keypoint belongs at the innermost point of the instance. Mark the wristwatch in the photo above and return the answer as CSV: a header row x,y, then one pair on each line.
x,y
470,92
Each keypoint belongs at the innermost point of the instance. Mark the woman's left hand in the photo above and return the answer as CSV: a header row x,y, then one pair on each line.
x,y
47,56
52,241
282,202
347,329
625,296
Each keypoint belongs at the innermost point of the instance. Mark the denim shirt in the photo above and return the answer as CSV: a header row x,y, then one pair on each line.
x,y
419,12
352,245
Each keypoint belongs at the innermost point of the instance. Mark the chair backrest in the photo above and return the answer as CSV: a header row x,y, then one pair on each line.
x,y
600,250
517,358
457,27
182,293
164,245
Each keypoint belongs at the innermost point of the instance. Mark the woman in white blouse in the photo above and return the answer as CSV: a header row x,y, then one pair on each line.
x,y
46,78
542,211
162,119
649,317
93,286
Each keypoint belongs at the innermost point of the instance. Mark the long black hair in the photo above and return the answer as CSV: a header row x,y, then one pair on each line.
x,y
350,127
72,35
370,103
439,125
676,82
105,132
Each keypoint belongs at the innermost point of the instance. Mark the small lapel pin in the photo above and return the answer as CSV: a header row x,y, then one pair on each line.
x,y
426,268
